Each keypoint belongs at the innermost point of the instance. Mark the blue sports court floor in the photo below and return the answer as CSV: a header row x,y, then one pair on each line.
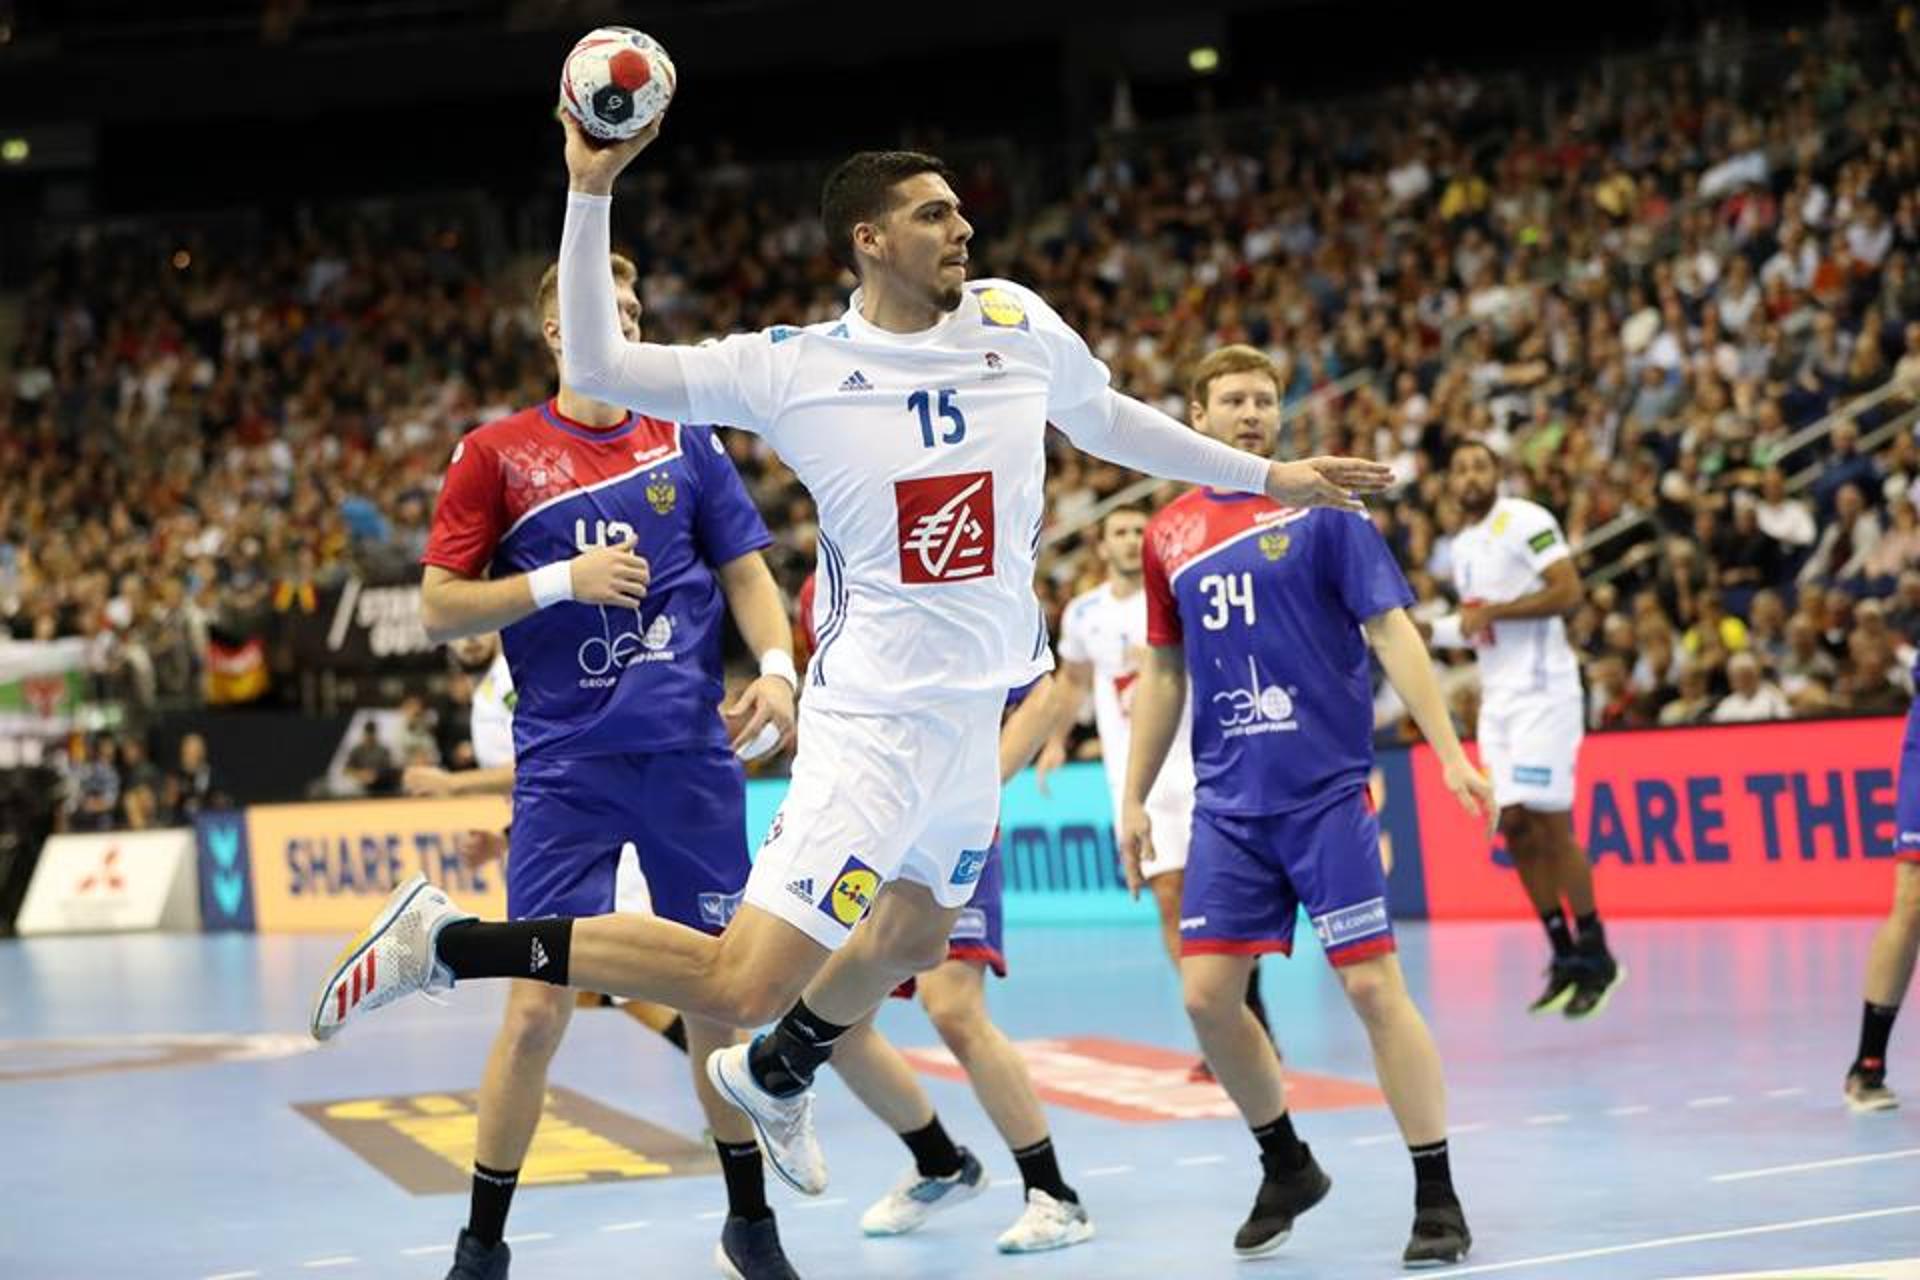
x,y
148,1088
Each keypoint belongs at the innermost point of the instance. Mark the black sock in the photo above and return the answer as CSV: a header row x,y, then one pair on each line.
x,y
534,949
1876,1027
1593,938
741,1166
675,1033
1557,933
783,1061
1432,1176
1254,1000
934,1154
1281,1151
1040,1170
492,1197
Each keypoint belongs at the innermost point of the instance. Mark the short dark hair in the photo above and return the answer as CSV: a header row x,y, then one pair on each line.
x,y
861,190
1465,443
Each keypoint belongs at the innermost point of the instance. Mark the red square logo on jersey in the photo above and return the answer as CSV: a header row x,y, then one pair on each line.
x,y
946,527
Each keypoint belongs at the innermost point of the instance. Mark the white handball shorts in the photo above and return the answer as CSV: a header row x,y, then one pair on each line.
x,y
901,795
1529,746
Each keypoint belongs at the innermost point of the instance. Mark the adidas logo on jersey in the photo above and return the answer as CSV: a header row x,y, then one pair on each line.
x,y
856,381
802,889
539,957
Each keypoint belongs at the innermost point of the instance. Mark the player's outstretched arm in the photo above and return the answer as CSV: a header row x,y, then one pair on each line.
x,y
1158,697
431,780
596,359
1396,642
1026,728
1121,429
1072,684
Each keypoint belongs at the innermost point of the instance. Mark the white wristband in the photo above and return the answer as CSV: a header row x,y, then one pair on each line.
x,y
551,583
778,662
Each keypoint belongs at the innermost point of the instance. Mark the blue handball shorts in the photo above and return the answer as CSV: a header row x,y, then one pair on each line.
x,y
684,811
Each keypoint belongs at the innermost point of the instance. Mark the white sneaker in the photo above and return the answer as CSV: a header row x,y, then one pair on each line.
x,y
391,958
1047,1224
915,1198
784,1125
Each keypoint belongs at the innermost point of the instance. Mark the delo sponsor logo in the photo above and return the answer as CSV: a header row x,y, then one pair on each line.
x,y
1254,708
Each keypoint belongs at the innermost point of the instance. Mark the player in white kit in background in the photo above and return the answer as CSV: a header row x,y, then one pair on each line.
x,y
917,421
1103,642
1516,580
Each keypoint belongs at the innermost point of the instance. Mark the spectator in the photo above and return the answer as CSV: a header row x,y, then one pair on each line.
x,y
1846,466
1751,698
190,789
1841,554
369,764
1897,550
1693,704
1715,628
1788,521
142,786
1904,616
1874,684
1806,660
96,794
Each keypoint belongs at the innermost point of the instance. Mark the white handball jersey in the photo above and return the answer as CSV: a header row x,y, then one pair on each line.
x,y
925,456
1109,633
1502,558
492,724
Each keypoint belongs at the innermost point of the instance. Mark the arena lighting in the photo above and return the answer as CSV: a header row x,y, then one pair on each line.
x,y
1204,60
15,151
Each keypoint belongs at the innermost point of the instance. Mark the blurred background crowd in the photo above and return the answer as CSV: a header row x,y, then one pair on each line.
x,y
1679,294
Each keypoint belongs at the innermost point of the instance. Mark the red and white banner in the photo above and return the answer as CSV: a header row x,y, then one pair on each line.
x,y
113,882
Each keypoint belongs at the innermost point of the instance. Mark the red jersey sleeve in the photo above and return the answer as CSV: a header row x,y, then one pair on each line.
x,y
471,516
1163,611
803,616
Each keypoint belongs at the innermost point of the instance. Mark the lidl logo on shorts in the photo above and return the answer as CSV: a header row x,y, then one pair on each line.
x,y
969,926
852,892
717,909
1532,775
1001,310
1351,924
968,869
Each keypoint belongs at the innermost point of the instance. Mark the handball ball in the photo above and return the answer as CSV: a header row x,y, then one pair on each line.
x,y
616,82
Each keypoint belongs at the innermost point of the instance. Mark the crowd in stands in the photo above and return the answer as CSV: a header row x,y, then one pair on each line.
x,y
1638,289
107,782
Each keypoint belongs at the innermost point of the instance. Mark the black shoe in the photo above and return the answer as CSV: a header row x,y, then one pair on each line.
x,y
1440,1237
1279,1202
1562,978
475,1261
1597,981
749,1249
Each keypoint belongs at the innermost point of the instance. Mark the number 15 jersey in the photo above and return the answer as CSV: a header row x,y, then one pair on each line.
x,y
924,453
1267,603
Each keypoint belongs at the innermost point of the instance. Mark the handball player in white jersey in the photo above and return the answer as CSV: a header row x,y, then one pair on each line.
x,y
917,421
1517,582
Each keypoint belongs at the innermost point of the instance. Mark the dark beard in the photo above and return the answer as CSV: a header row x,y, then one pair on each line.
x,y
1478,511
949,299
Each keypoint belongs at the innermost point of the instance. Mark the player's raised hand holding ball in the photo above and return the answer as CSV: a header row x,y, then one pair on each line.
x,y
614,89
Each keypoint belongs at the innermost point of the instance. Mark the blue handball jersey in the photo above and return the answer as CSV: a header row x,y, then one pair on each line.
x,y
537,487
1268,603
